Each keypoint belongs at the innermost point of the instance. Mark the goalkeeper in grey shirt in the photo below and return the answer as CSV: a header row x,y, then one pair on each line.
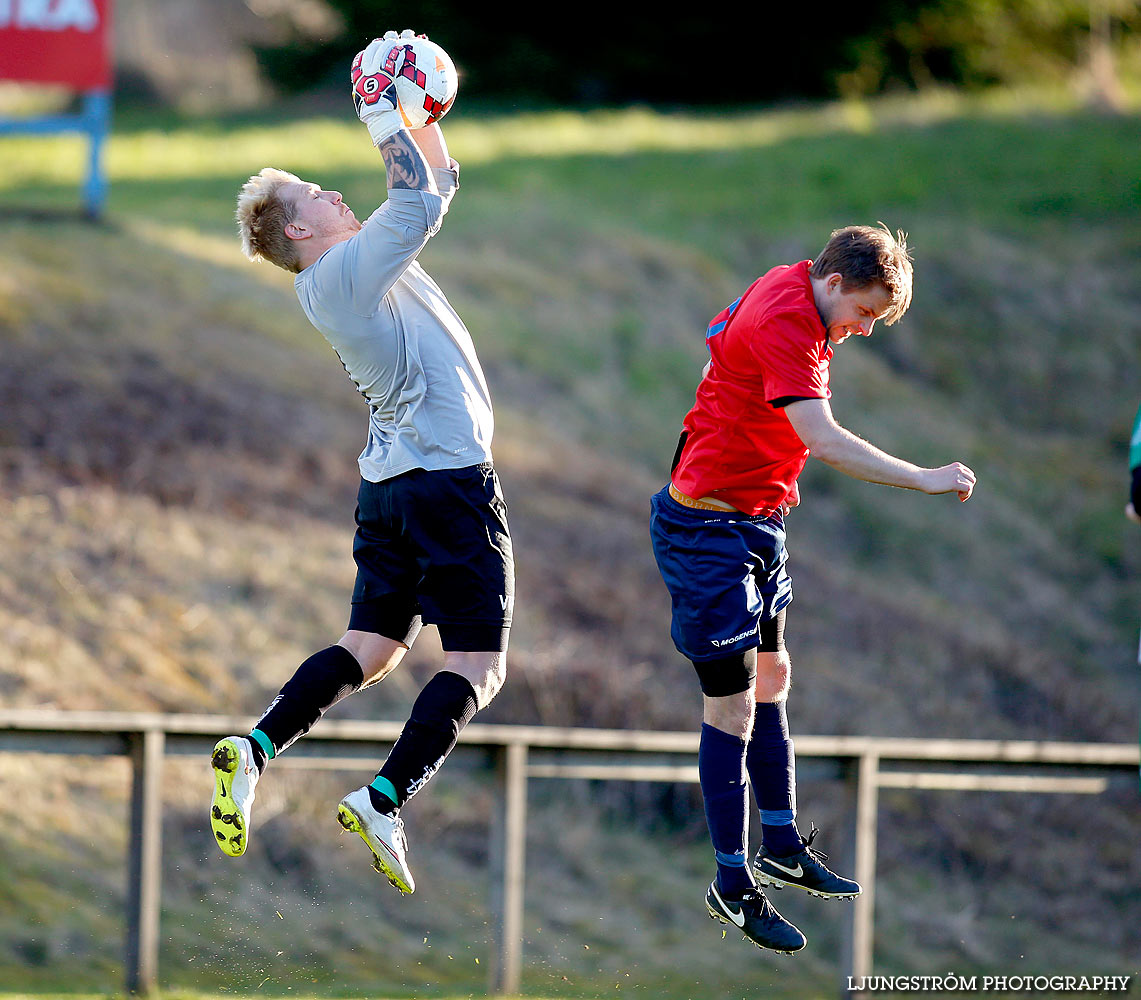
x,y
432,542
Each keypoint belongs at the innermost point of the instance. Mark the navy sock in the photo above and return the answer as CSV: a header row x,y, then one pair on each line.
x,y
721,771
317,685
771,764
441,710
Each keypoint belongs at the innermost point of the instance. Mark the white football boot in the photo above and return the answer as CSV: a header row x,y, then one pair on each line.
x,y
384,834
235,776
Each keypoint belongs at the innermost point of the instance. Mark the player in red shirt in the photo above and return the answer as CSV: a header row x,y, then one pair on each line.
x,y
718,536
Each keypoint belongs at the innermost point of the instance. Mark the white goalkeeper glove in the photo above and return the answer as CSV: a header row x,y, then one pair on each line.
x,y
374,93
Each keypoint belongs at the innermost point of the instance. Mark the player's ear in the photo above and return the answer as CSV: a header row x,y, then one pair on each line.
x,y
296,231
834,281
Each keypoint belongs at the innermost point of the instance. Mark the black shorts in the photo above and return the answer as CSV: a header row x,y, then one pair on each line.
x,y
434,547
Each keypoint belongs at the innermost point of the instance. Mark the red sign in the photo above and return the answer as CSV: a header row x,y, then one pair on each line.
x,y
56,41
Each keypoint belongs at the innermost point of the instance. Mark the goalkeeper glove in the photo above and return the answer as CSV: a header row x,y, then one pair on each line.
x,y
374,92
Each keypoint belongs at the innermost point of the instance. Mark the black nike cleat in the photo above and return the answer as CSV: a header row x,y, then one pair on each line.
x,y
804,870
754,916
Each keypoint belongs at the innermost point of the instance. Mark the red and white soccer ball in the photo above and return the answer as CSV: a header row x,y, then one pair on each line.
x,y
426,82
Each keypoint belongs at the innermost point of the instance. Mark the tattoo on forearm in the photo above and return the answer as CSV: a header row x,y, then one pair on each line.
x,y
405,164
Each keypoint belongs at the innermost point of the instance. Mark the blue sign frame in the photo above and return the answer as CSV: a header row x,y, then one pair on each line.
x,y
95,119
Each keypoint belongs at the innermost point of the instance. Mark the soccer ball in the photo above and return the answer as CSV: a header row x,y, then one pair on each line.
x,y
426,82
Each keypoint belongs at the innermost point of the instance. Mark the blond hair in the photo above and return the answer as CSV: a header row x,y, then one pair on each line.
x,y
862,255
263,215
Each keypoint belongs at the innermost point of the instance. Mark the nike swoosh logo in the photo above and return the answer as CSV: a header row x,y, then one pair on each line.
x,y
738,916
794,872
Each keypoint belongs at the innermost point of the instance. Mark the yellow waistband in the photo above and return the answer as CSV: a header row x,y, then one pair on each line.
x,y
706,504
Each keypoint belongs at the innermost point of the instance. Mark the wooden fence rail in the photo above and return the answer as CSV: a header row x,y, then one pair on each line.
x,y
520,753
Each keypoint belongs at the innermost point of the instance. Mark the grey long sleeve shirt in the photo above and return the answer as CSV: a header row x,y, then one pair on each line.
x,y
403,345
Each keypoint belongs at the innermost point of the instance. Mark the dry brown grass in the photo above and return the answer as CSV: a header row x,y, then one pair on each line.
x,y
176,487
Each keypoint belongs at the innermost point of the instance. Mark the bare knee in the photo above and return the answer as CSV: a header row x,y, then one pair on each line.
x,y
486,672
731,714
774,676
377,654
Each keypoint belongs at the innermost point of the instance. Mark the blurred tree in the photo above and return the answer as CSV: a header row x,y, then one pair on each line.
x,y
600,54
725,56
981,42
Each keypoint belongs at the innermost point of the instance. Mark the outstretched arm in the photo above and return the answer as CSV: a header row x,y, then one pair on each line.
x,y
404,162
835,446
430,139
378,106
395,234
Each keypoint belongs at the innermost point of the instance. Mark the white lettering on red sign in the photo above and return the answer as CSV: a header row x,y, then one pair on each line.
x,y
49,15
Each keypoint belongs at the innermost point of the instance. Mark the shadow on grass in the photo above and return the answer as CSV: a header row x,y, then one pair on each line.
x,y
58,214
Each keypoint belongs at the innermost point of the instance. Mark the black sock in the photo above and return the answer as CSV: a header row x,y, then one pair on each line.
x,y
318,684
261,758
441,710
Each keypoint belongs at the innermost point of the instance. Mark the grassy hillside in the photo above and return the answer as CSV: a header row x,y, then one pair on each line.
x,y
177,472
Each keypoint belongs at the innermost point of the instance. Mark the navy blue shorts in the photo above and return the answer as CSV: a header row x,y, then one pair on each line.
x,y
434,546
725,572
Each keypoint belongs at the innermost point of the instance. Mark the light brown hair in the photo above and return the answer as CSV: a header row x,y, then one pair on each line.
x,y
262,217
863,255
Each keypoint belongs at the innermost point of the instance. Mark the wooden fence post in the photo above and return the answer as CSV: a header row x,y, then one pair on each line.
x,y
508,857
863,912
144,859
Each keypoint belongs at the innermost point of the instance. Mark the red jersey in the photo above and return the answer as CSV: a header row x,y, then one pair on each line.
x,y
768,345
